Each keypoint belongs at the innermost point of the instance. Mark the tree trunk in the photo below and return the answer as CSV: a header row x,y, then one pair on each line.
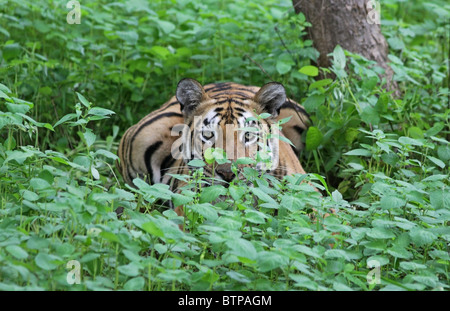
x,y
352,24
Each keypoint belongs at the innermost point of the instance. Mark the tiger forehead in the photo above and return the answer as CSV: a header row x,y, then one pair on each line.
x,y
231,99
225,105
235,90
225,114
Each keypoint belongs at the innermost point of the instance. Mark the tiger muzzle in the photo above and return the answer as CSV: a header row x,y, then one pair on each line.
x,y
224,170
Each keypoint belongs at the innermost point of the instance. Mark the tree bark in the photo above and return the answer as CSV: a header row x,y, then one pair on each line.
x,y
348,23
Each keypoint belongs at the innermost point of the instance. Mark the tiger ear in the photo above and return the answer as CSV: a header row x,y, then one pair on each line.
x,y
190,94
271,97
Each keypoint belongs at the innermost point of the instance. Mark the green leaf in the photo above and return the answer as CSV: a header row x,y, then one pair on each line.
x,y
284,63
311,71
338,253
313,102
89,257
236,192
303,281
10,143
5,89
109,236
209,156
28,195
437,127
82,161
380,233
166,27
142,185
292,203
382,260
135,284
38,124
107,154
46,90
156,191
89,137
263,196
390,158
436,161
18,156
160,51
132,256
268,261
428,280
444,141
97,111
408,265
17,251
153,229
46,261
359,152
10,51
400,252
95,173
395,43
286,140
391,202
350,135
206,210
265,115
444,153
370,115
66,118
307,251
179,199
255,217
320,83
284,120
313,138
39,184
210,194
242,248
197,163
3,95
421,237
220,156
369,84
36,242
409,141
238,277
415,132
245,161
83,100
132,269
17,108
339,59
440,199
130,37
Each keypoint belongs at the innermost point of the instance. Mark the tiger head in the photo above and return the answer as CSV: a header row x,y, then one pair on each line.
x,y
229,121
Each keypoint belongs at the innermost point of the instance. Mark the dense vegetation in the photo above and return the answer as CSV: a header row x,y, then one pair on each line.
x,y
68,92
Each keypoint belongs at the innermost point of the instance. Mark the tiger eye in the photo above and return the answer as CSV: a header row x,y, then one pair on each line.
x,y
249,136
207,134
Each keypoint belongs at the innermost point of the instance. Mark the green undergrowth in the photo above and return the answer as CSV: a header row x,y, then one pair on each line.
x,y
55,209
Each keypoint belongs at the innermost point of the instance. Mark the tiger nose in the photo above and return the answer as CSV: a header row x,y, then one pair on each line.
x,y
225,171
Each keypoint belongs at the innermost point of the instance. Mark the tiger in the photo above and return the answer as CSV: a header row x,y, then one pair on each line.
x,y
153,150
